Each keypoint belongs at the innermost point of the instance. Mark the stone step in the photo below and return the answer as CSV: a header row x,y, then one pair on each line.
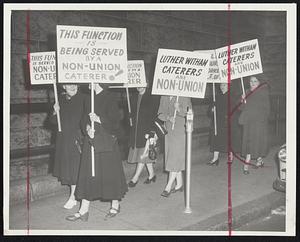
x,y
38,166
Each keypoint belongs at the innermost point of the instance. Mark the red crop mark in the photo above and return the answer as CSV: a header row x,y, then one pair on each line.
x,y
229,126
28,120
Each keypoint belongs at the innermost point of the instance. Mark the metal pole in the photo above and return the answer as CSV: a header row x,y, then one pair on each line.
x,y
189,131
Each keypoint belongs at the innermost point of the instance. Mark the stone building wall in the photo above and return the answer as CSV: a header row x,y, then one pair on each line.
x,y
146,32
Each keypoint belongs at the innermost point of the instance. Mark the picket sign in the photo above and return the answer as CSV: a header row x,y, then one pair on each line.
x,y
87,54
244,61
43,71
136,77
180,73
213,76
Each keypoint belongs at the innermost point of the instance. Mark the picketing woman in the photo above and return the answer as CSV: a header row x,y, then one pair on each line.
x,y
219,140
108,182
254,119
174,140
67,148
144,111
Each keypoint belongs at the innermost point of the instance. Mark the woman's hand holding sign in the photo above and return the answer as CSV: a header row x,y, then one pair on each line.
x,y
56,108
243,98
90,131
176,106
171,119
94,118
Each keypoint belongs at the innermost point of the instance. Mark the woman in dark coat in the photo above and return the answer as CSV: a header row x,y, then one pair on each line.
x,y
109,181
219,142
254,119
67,155
144,110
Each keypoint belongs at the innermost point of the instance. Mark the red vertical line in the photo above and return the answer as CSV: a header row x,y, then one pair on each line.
x,y
28,120
229,125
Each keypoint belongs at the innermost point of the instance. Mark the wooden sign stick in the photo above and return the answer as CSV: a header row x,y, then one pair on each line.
x,y
177,98
215,109
129,108
56,101
243,88
93,128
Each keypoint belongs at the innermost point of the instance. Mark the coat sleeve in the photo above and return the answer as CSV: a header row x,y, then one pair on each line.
x,y
106,131
85,114
265,104
112,119
162,110
153,109
53,117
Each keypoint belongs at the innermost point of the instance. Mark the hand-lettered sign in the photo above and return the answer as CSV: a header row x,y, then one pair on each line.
x,y
244,60
136,76
213,70
180,73
91,54
42,68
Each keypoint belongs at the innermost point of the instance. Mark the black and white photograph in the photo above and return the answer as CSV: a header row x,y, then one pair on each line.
x,y
149,119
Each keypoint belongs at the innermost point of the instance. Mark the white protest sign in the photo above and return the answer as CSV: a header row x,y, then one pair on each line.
x,y
43,71
213,70
42,68
244,60
91,54
180,73
136,76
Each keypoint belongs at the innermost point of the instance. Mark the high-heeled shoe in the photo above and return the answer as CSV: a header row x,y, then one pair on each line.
x,y
112,214
70,204
148,181
83,217
213,162
259,162
166,193
180,189
246,171
132,184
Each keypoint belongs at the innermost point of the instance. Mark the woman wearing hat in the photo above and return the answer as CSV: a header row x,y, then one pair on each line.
x,y
67,154
254,119
144,110
108,182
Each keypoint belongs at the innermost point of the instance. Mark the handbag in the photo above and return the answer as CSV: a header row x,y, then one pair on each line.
x,y
152,154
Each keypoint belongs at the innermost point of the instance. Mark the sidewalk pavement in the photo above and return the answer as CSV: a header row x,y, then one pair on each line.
x,y
143,209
